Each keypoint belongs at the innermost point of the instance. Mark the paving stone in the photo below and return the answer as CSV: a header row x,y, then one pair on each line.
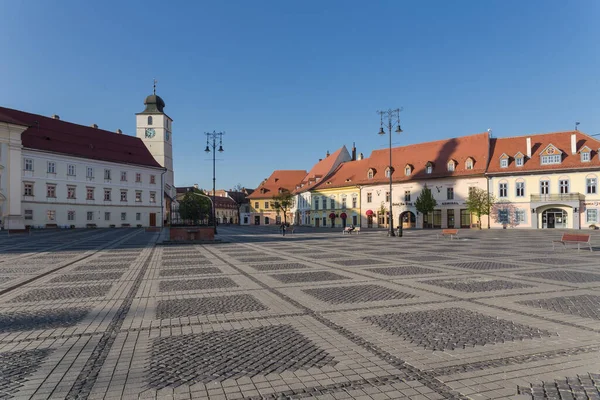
x,y
356,294
484,265
549,261
186,262
359,261
580,387
208,305
202,357
564,276
260,259
189,271
425,258
41,319
101,276
316,276
101,267
275,267
195,284
400,271
16,366
586,306
63,293
453,328
476,284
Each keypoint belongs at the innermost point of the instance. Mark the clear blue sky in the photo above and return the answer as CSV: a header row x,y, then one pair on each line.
x,y
290,80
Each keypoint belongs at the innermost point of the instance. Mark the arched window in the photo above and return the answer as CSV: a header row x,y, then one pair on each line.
x,y
469,163
150,120
407,170
451,165
370,174
429,168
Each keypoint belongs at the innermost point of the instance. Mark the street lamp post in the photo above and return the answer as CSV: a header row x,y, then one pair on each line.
x,y
391,115
214,135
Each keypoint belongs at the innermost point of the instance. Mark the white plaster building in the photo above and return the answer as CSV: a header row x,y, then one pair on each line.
x,y
56,173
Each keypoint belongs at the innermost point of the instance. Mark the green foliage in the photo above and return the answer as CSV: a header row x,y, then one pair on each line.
x,y
194,207
282,203
425,203
480,202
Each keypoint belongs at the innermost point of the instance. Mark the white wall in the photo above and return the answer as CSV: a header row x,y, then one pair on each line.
x,y
40,204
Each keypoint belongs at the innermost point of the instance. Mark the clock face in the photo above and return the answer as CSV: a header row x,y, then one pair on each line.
x,y
167,135
150,133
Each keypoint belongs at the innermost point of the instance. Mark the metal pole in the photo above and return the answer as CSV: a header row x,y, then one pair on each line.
x,y
214,146
391,216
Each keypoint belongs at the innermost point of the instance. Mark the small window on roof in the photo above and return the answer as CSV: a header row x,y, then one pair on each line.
x,y
504,163
407,170
451,165
429,168
469,163
519,161
585,156
370,174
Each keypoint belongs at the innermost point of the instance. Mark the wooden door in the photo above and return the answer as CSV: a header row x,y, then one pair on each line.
x,y
152,219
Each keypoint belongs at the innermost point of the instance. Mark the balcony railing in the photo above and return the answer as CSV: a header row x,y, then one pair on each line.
x,y
556,197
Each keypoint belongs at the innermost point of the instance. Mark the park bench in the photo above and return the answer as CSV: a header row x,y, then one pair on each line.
x,y
51,226
574,238
91,225
348,230
125,225
449,232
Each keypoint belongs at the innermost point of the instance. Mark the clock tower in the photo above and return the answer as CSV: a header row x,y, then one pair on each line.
x,y
153,126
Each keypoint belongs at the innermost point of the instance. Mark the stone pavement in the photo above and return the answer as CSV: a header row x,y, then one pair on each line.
x,y
109,314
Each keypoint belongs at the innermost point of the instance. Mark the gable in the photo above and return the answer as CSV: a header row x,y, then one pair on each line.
x,y
550,150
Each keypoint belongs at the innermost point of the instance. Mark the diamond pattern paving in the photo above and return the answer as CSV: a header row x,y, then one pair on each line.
x,y
202,357
309,277
399,271
356,294
88,277
16,366
209,305
189,271
565,276
64,293
585,306
476,284
195,284
453,328
41,319
359,261
275,267
484,265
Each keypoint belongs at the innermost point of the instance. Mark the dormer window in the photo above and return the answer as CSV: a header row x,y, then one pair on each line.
x,y
519,161
586,154
550,155
469,163
429,168
504,163
408,170
371,173
388,172
451,165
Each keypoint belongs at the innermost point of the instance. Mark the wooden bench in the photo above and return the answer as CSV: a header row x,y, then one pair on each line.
x,y
449,232
574,238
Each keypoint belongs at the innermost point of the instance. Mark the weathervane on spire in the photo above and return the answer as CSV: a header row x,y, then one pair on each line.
x,y
155,82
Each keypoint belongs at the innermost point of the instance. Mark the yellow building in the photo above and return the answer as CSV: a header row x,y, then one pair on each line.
x,y
545,181
262,211
335,201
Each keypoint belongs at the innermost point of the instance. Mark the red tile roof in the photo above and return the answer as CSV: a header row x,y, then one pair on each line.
x,y
319,170
280,179
438,153
56,136
560,140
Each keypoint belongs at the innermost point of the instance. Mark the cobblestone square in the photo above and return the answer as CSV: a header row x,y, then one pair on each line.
x,y
114,314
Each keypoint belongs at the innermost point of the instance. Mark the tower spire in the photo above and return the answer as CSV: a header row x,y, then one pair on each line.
x,y
155,82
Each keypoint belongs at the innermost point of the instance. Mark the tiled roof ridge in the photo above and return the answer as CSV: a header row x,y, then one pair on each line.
x,y
429,143
546,133
61,121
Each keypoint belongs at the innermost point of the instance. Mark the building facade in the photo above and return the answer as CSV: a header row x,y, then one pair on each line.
x,y
55,173
262,211
545,181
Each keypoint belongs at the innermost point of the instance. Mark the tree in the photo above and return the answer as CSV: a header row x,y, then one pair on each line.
x,y
282,203
383,210
238,187
425,203
480,202
193,207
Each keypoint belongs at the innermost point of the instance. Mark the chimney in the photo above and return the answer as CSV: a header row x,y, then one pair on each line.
x,y
360,156
94,126
195,186
574,143
528,147
55,116
327,155
353,151
120,132
320,159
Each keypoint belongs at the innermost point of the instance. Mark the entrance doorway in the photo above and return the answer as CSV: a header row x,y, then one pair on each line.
x,y
408,220
317,220
152,219
369,221
450,216
465,218
554,218
257,220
